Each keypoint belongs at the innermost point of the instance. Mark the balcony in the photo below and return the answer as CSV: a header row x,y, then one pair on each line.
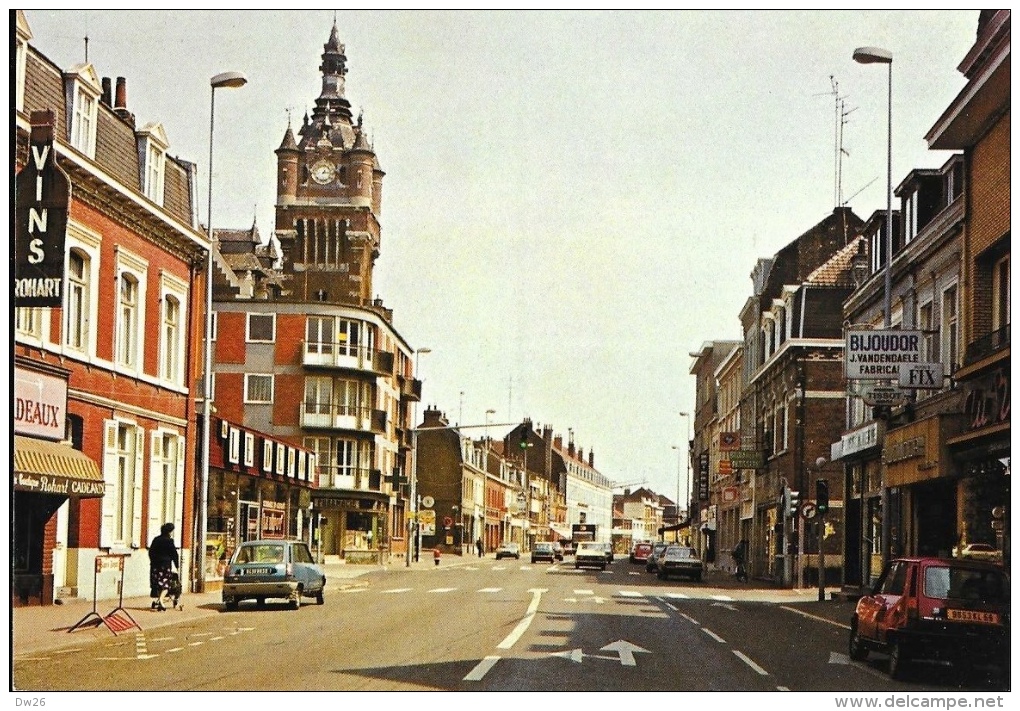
x,y
331,416
349,478
318,354
987,346
410,389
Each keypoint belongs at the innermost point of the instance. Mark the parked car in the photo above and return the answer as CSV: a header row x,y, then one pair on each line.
x,y
609,552
558,550
640,552
508,550
590,555
679,560
543,551
260,570
652,564
981,551
935,609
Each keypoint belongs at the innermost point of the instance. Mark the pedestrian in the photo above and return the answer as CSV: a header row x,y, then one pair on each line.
x,y
162,559
436,553
740,558
480,547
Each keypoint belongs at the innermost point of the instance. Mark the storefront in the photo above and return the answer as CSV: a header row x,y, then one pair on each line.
x,y
860,452
47,472
259,487
352,525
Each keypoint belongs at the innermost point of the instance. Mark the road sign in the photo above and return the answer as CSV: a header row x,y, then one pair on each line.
x,y
746,459
880,354
428,502
883,395
729,441
427,520
922,375
808,509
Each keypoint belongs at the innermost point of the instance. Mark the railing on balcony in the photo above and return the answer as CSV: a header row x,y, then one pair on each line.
x,y
987,345
349,478
342,355
342,417
410,389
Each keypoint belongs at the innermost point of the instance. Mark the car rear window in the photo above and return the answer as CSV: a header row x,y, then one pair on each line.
x,y
267,553
942,582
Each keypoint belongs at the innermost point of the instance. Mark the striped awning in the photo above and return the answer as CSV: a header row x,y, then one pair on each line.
x,y
45,467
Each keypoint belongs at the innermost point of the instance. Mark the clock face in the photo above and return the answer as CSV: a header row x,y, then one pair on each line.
x,y
323,172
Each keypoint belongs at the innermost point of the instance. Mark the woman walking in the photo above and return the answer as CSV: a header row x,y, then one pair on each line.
x,y
162,558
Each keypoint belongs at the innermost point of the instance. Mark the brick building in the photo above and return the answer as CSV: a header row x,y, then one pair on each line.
x,y
115,362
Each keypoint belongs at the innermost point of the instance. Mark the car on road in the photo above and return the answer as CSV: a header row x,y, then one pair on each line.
x,y
610,557
681,561
935,610
652,564
264,569
543,551
590,555
981,551
558,550
640,552
508,550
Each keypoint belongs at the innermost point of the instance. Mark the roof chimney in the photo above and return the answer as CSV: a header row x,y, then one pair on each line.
x,y
558,441
591,458
107,96
120,102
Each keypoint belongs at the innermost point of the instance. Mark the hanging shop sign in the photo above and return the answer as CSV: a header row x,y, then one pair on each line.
x,y
42,196
879,355
40,404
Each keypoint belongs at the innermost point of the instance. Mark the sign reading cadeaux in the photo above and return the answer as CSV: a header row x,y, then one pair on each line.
x,y
879,355
42,196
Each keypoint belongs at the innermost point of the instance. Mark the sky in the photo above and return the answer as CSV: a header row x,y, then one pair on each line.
x,y
573,201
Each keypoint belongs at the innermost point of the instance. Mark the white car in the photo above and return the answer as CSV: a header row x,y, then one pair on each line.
x,y
981,551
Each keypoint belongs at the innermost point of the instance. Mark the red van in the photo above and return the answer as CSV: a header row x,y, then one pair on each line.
x,y
935,609
640,552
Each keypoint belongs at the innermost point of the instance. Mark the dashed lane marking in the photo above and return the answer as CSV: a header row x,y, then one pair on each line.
x,y
750,662
481,669
713,635
490,590
814,617
396,590
442,590
583,592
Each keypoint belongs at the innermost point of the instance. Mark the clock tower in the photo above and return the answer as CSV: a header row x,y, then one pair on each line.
x,y
328,196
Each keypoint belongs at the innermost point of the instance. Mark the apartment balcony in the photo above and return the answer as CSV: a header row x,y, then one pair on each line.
x,y
342,417
410,389
987,346
349,479
317,354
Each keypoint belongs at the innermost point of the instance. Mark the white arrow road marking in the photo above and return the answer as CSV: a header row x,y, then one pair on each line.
x,y
396,590
726,605
713,635
490,590
522,626
481,669
442,590
750,662
626,651
574,655
628,593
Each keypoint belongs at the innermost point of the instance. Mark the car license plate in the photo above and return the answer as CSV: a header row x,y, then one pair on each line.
x,y
258,571
973,616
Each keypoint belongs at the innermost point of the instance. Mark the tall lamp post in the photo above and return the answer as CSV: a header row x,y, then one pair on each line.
x,y
690,492
226,80
414,525
676,533
877,55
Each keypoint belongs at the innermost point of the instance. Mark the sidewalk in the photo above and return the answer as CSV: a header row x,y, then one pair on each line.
x,y
38,630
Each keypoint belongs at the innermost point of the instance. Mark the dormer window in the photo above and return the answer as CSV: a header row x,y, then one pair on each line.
x,y
152,146
83,93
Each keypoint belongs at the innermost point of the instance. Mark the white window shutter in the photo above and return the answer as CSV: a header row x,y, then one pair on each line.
x,y
112,495
179,493
136,517
155,484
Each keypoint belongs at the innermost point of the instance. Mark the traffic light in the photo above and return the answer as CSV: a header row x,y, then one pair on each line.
x,y
792,502
524,439
822,495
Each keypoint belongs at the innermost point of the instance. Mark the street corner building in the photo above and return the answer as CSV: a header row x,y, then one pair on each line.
x,y
103,413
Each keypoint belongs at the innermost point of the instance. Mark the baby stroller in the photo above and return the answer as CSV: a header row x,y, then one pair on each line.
x,y
175,590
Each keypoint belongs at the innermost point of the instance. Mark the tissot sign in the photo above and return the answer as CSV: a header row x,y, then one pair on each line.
x,y
42,195
879,355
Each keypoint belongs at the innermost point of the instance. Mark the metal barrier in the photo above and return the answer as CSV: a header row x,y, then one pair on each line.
x,y
115,620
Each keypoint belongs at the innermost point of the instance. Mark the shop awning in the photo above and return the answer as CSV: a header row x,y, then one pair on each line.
x,y
45,467
561,530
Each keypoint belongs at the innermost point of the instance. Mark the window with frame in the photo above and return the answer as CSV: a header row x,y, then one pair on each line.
x,y
950,328
128,310
76,308
155,164
321,459
122,473
28,322
318,395
930,342
171,352
261,328
166,480
258,388
83,122
1000,293
320,334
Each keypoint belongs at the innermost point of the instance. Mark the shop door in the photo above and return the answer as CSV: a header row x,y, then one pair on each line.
x,y
249,517
935,504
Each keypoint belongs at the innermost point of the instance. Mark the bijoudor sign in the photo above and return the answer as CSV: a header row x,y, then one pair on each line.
x,y
879,355
42,195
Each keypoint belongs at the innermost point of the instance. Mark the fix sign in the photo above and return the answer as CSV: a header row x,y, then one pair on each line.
x,y
881,355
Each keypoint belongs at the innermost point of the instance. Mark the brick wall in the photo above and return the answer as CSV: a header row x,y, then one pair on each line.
x,y
290,335
230,338
288,394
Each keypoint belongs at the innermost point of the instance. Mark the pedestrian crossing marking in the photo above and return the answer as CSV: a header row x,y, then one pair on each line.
x,y
583,592
629,593
677,596
441,590
724,598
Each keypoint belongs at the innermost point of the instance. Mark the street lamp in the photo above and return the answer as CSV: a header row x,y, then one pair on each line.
x,y
877,55
690,497
226,80
416,524
676,533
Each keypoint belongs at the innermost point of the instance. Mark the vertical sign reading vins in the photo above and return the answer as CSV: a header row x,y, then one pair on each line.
x,y
42,196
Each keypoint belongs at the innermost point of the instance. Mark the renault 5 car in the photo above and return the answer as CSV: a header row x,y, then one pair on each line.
x,y
265,569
